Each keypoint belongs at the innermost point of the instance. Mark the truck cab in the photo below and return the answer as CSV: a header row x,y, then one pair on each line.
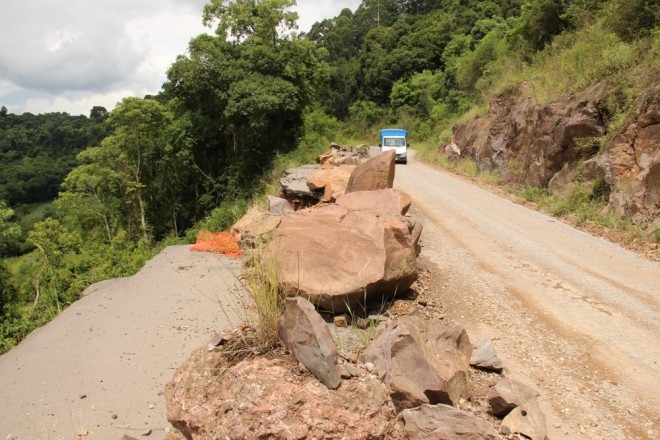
x,y
395,139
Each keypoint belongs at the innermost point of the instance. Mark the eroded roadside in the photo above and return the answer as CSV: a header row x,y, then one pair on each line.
x,y
570,314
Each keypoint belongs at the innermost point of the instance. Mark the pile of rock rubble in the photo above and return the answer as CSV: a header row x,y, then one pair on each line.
x,y
390,378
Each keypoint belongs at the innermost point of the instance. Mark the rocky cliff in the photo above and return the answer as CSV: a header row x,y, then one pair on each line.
x,y
561,144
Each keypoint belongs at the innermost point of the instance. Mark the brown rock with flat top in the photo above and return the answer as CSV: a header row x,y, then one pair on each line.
x,y
325,175
341,259
423,361
390,200
375,173
306,335
442,422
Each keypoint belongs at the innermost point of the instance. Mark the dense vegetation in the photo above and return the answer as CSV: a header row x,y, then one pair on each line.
x,y
258,95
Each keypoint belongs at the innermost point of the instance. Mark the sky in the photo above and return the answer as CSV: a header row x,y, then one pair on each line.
x,y
71,55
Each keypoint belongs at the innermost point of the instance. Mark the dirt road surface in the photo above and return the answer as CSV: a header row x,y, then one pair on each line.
x,y
99,369
573,315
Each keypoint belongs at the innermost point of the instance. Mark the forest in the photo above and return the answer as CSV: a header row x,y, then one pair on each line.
x,y
84,199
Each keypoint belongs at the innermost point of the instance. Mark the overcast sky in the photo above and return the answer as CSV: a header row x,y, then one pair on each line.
x,y
70,55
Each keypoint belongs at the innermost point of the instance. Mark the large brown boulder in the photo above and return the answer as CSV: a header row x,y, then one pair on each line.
x,y
332,181
209,398
422,361
340,258
375,173
307,336
390,200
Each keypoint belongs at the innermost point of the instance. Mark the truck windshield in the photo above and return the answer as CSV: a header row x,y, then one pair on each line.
x,y
394,142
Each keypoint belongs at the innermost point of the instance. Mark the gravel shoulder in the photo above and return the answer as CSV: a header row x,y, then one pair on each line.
x,y
99,369
573,315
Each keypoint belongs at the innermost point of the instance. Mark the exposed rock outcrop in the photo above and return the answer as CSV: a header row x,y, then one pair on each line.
x,y
528,142
631,163
556,145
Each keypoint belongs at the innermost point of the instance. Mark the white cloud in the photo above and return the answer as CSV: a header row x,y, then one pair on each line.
x,y
70,55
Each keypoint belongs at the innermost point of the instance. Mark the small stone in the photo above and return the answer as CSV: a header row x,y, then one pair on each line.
x,y
113,416
82,396
351,369
362,323
369,367
341,321
146,432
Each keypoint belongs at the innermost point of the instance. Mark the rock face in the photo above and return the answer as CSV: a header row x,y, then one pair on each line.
x,y
375,173
340,258
306,335
553,145
259,398
422,361
441,422
632,164
528,142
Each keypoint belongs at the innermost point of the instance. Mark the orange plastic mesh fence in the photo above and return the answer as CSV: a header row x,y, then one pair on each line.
x,y
219,243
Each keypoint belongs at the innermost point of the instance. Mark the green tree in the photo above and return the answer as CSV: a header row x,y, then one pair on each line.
x,y
9,230
240,96
139,127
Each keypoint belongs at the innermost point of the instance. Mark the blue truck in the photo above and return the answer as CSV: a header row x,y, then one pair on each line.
x,y
395,139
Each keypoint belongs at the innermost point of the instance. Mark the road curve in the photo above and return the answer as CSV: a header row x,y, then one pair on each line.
x,y
585,292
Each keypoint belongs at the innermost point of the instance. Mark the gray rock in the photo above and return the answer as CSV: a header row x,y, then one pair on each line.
x,y
485,357
507,394
293,185
279,206
422,361
528,420
306,334
443,422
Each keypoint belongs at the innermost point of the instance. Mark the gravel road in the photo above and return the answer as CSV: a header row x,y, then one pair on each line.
x,y
571,314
